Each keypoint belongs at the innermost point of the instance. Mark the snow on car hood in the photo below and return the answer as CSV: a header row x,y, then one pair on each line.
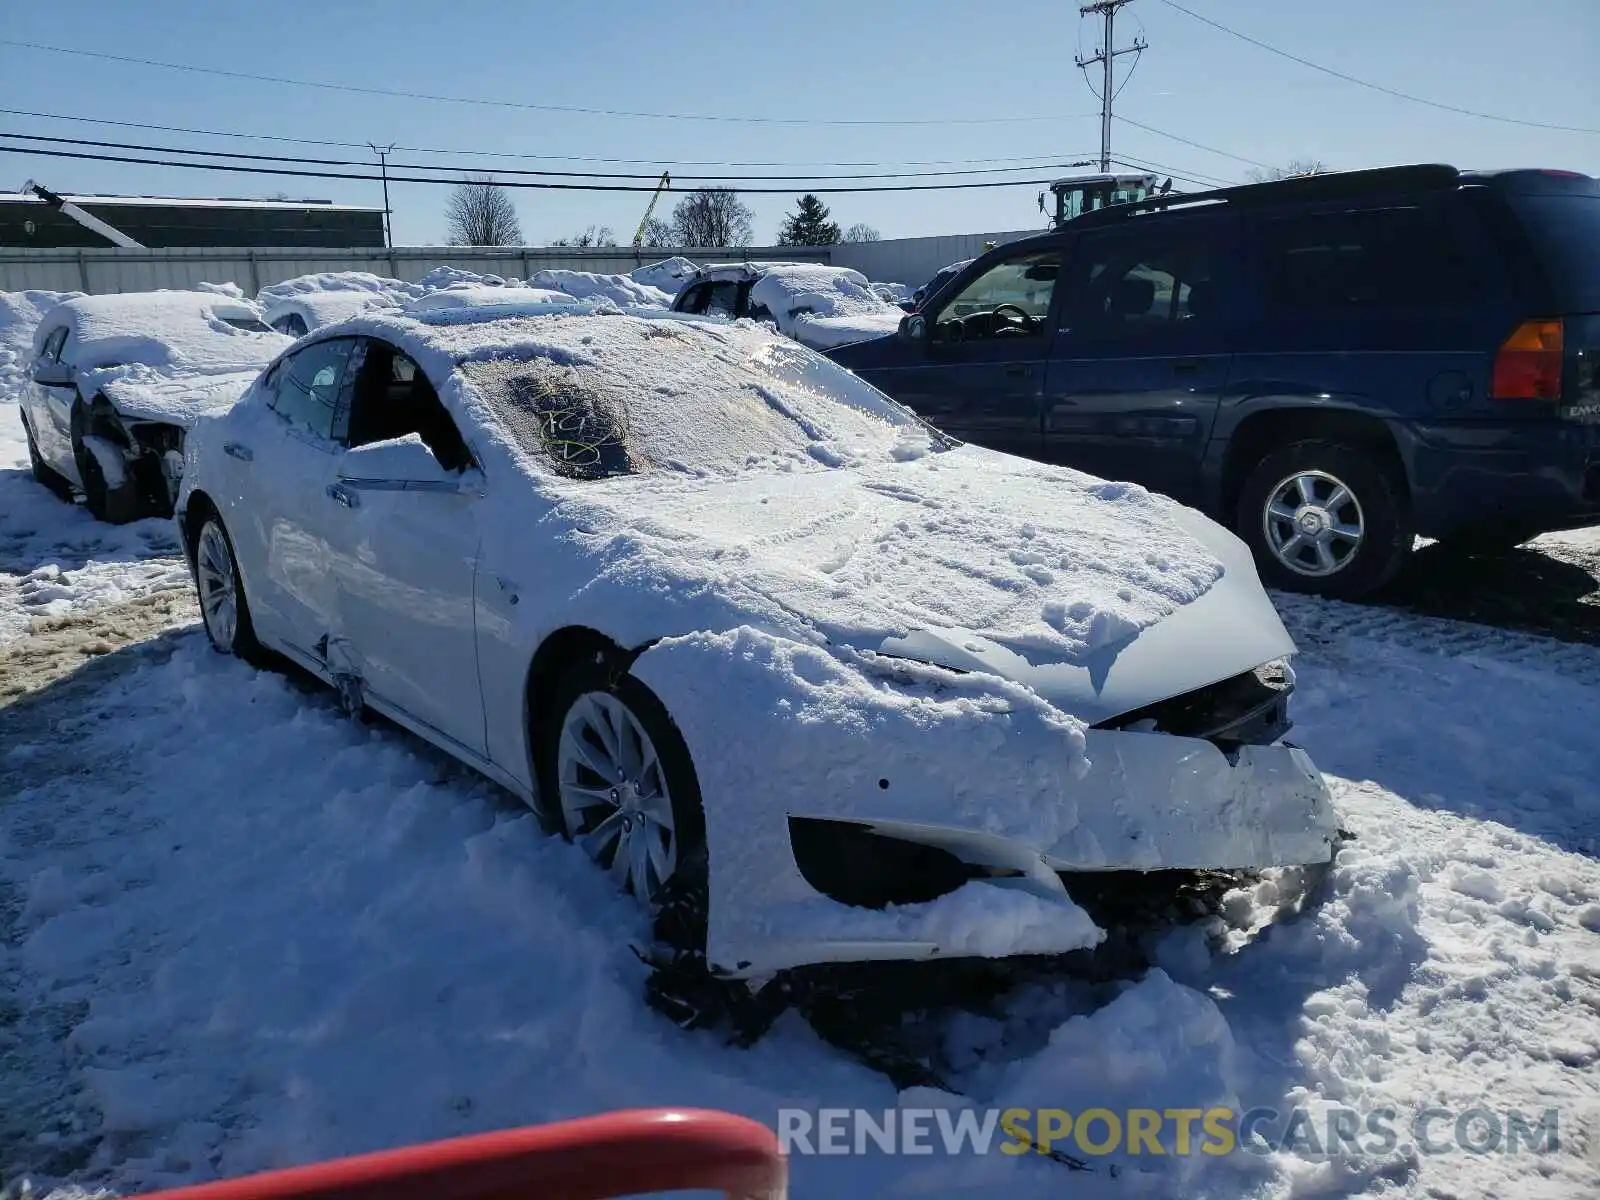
x,y
824,333
823,306
968,558
145,393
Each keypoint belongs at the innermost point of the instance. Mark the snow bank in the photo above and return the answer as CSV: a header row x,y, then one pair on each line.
x,y
892,293
621,290
669,275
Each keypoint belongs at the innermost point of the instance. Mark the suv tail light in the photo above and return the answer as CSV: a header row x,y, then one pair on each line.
x,y
1528,366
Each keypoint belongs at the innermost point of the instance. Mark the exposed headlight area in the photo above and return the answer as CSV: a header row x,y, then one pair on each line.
x,y
1250,709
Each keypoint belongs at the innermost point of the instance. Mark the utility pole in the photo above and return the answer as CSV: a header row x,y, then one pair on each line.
x,y
383,162
1108,55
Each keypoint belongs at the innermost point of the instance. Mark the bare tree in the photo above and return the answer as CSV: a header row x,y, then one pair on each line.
x,y
480,213
712,217
1298,166
658,234
602,235
861,232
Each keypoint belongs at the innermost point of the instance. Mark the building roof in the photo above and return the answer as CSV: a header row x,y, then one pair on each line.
x,y
193,202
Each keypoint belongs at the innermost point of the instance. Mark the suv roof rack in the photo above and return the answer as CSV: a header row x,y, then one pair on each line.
x,y
1331,185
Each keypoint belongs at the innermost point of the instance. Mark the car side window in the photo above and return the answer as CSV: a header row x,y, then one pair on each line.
x,y
1011,299
392,398
51,351
1137,286
292,324
306,391
722,299
1391,258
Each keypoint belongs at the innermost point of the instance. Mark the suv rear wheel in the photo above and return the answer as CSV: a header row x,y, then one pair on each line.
x,y
1326,518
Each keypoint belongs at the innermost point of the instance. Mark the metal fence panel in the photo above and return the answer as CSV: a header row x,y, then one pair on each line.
x,y
914,261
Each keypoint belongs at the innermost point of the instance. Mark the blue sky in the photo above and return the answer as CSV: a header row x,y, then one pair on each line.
x,y
884,60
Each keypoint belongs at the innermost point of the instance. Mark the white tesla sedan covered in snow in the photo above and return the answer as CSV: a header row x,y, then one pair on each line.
x,y
116,381
735,621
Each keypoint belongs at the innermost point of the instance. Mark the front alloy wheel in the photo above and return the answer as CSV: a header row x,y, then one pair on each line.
x,y
1313,523
223,608
218,584
615,800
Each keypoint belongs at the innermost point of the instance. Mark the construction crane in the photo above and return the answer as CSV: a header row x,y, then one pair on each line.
x,y
638,237
94,224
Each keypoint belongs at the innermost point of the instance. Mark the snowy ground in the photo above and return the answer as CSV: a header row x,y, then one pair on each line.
x,y
238,930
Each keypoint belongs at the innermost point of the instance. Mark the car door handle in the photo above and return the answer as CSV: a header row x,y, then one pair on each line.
x,y
234,449
343,495
1018,372
1187,366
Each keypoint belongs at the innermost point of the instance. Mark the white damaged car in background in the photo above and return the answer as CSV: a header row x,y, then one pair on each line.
x,y
815,304
117,380
814,683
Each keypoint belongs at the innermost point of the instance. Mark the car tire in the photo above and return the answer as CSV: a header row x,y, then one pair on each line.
x,y
52,479
1299,506
616,819
224,610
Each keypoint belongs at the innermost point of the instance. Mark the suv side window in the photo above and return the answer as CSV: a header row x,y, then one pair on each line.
x,y
716,298
1128,285
1011,299
1389,258
308,384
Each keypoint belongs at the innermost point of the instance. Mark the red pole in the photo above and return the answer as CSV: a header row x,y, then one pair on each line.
x,y
592,1158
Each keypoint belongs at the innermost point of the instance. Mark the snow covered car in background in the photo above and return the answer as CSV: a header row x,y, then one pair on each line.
x,y
941,277
816,305
117,380
769,648
305,303
471,295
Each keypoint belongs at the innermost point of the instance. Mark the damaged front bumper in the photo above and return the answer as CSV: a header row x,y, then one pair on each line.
x,y
859,889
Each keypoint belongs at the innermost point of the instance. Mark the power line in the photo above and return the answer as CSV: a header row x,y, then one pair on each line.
x,y
1376,87
542,185
344,162
1207,182
1189,142
392,94
660,162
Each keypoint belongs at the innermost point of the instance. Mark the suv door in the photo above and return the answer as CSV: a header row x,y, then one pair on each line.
x,y
404,554
1143,352
981,374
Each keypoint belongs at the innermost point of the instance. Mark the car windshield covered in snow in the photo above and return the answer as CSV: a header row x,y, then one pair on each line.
x,y
673,395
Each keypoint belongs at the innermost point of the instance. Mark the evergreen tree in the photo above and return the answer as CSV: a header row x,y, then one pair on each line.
x,y
810,225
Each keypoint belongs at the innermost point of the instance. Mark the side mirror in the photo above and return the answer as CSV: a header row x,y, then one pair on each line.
x,y
914,326
404,464
52,374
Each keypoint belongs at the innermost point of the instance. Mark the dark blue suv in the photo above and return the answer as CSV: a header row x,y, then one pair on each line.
x,y
1330,364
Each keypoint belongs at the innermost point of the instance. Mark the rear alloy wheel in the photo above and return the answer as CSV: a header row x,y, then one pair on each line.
x,y
1325,518
223,608
615,777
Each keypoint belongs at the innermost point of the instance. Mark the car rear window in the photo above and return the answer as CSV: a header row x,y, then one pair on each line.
x,y
1564,233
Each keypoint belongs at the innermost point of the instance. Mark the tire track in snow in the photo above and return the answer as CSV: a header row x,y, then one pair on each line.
x,y
1334,623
